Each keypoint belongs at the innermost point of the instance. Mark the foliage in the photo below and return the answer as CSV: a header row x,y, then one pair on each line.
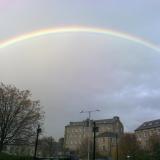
x,y
19,116
4,156
143,155
83,148
154,147
101,155
61,144
128,146
47,146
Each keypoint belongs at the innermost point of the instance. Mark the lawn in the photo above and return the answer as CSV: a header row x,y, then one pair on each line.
x,y
4,156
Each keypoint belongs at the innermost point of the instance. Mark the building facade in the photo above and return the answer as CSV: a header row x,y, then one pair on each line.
x,y
77,132
106,142
146,130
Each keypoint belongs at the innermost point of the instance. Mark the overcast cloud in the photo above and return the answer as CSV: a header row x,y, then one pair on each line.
x,y
71,72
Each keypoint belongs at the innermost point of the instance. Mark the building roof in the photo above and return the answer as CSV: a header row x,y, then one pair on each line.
x,y
149,125
101,121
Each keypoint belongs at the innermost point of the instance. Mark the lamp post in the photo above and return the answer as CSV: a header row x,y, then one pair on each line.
x,y
89,117
95,129
36,143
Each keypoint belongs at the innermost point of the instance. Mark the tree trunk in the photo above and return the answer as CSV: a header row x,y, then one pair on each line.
x,y
1,146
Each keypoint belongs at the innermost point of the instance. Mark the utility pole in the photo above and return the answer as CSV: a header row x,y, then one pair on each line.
x,y
95,129
110,146
117,146
89,127
36,144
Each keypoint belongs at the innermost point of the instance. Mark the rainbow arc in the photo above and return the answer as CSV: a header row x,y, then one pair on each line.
x,y
78,29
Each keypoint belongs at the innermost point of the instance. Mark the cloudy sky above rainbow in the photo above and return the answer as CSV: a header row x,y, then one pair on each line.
x,y
76,55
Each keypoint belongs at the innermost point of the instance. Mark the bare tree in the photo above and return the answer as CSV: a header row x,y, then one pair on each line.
x,y
83,147
19,115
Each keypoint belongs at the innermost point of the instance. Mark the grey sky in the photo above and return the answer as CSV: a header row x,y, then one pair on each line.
x,y
71,72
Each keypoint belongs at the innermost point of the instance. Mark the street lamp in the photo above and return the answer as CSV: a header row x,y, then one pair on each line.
x,y
39,130
89,117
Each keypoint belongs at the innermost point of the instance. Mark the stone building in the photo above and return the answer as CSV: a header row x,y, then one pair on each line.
x,y
76,132
106,142
146,130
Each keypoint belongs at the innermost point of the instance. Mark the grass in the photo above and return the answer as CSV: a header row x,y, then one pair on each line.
x,y
4,156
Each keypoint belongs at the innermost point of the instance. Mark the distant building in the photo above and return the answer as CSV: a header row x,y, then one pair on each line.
x,y
20,150
146,130
76,132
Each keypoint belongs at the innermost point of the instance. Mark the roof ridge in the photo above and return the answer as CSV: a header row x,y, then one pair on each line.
x,y
149,124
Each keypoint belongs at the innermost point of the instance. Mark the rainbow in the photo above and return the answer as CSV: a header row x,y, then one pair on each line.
x,y
78,29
